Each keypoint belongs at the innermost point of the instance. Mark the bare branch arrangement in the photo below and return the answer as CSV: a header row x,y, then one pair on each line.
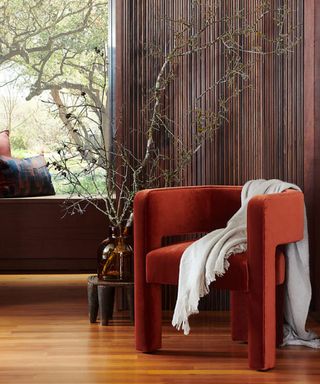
x,y
241,39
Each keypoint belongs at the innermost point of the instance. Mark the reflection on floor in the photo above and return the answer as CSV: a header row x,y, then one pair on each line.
x,y
45,337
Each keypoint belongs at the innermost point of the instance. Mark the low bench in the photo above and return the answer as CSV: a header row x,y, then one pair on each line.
x,y
35,238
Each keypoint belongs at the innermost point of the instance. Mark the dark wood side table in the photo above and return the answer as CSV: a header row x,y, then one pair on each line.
x,y
101,295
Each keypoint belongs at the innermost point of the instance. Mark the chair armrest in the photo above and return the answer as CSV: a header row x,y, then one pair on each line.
x,y
182,210
272,220
276,218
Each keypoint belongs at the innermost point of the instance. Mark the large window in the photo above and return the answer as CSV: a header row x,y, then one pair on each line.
x,y
54,70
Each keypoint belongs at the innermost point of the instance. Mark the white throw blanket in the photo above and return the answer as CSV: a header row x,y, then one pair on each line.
x,y
207,258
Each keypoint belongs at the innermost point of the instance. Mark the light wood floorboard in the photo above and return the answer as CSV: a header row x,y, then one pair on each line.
x,y
45,337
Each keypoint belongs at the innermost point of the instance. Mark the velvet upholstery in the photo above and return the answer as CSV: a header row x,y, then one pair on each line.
x,y
162,267
254,277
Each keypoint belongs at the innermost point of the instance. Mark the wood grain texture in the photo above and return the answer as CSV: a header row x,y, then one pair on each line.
x,y
310,139
312,116
35,237
264,134
46,337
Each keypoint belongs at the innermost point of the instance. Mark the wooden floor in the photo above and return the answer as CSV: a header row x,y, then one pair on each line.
x,y
45,337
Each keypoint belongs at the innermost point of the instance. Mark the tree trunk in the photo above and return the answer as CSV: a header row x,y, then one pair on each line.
x,y
63,112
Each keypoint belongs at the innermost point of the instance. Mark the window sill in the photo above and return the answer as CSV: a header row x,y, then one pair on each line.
x,y
51,198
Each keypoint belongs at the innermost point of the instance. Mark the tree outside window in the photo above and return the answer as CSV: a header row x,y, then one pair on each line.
x,y
53,65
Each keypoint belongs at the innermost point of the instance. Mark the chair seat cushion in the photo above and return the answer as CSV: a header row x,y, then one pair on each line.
x,y
163,268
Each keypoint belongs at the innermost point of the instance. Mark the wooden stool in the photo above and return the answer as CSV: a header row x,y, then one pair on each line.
x,y
101,295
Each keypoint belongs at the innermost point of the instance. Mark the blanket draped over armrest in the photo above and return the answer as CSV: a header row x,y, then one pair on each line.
x,y
207,258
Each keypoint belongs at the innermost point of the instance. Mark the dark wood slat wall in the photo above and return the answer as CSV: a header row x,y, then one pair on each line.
x,y
312,135
316,142
263,137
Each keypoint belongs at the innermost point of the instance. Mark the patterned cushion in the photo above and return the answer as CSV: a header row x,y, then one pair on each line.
x,y
4,143
24,177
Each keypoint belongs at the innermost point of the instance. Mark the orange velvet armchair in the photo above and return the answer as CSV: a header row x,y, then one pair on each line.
x,y
255,278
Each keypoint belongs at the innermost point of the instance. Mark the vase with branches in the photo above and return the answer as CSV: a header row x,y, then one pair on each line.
x,y
241,40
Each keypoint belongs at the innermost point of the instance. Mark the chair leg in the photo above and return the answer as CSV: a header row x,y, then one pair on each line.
x,y
262,327
239,315
280,301
148,310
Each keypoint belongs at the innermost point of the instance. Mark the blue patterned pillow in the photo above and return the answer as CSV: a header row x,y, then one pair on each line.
x,y
24,177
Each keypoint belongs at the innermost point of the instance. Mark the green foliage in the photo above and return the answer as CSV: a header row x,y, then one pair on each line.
x,y
53,41
18,143
63,187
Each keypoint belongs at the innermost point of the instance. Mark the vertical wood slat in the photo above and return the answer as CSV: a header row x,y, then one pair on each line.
x,y
312,133
263,137
260,127
311,112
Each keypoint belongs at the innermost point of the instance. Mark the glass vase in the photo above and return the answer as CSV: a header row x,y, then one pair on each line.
x,y
115,257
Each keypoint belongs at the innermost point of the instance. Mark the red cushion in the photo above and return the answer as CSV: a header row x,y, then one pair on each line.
x,y
163,268
5,144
